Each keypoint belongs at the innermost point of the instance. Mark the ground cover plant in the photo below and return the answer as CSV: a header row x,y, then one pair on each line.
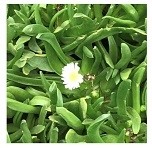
x,y
76,73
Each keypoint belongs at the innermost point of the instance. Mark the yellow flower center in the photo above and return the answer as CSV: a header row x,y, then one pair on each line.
x,y
74,76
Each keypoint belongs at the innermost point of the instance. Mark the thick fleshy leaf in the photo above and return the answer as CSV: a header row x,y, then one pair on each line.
x,y
93,129
40,100
70,118
135,118
37,129
73,137
122,92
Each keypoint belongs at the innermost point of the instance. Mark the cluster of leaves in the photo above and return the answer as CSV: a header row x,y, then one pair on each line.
x,y
108,42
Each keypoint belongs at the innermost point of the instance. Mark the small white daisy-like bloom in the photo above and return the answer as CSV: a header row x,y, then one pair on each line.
x,y
71,76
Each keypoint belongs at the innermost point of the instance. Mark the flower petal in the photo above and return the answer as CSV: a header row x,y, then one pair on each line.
x,y
70,76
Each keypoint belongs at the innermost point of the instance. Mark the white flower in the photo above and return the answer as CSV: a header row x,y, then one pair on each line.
x,y
70,76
